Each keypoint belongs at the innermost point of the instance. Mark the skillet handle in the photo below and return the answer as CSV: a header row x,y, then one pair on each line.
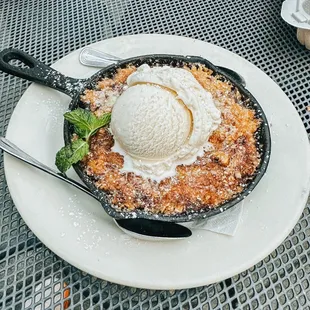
x,y
37,71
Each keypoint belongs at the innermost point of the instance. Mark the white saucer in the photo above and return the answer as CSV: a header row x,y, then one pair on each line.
x,y
77,229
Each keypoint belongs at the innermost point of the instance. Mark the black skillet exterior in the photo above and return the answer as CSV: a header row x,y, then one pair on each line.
x,y
39,72
175,61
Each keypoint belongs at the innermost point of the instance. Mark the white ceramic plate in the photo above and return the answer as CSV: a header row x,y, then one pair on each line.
x,y
77,229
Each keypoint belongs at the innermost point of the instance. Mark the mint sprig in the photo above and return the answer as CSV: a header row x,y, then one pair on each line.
x,y
86,125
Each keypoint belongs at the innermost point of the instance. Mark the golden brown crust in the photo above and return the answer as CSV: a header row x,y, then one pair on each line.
x,y
214,178
120,76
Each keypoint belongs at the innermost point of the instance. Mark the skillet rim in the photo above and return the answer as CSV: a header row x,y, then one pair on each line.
x,y
263,137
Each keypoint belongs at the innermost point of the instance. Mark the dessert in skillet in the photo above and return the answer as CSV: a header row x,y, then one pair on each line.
x,y
179,139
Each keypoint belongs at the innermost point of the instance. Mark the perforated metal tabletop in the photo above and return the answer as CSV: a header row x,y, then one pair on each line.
x,y
31,276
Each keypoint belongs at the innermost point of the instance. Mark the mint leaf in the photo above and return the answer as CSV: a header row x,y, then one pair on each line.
x,y
71,154
82,133
85,122
81,119
100,122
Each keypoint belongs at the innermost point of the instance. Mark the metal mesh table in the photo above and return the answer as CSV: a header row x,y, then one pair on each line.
x,y
31,276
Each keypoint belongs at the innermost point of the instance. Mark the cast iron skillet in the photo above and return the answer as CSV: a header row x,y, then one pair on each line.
x,y
38,72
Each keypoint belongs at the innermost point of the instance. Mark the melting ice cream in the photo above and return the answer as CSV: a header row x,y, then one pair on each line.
x,y
163,119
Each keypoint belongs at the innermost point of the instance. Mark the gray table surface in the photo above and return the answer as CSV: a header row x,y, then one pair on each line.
x,y
31,276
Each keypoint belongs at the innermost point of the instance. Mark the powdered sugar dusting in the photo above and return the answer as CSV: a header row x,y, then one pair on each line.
x,y
90,237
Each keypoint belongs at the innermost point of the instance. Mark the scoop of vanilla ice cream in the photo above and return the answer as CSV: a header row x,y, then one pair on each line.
x,y
150,123
163,119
